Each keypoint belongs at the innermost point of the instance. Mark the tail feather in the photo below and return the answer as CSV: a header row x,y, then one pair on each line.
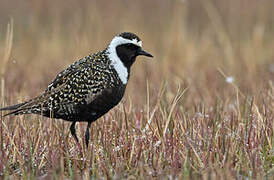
x,y
13,107
34,105
16,112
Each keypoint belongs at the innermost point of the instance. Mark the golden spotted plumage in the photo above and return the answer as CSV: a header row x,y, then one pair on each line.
x,y
76,85
88,88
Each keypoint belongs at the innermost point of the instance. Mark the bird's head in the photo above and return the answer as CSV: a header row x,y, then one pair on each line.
x,y
125,47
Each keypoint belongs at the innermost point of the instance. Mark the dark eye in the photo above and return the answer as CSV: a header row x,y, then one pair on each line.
x,y
131,46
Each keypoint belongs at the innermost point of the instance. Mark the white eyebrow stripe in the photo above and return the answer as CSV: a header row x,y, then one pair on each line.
x,y
118,40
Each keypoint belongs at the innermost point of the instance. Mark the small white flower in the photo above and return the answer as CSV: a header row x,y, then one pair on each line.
x,y
229,79
117,148
157,143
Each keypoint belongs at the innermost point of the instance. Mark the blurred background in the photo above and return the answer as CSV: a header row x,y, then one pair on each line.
x,y
194,43
221,51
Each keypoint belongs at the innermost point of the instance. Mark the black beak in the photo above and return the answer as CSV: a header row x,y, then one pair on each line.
x,y
144,53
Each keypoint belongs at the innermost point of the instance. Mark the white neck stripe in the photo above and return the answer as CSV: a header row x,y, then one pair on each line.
x,y
115,60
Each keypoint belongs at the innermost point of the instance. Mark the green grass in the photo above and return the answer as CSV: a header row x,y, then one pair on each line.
x,y
201,109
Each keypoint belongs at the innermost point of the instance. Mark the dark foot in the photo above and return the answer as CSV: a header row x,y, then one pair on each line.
x,y
73,132
87,134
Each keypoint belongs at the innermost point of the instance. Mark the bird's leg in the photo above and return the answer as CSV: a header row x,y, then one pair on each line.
x,y
73,132
87,133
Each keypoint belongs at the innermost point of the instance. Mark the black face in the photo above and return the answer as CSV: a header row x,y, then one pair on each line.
x,y
128,53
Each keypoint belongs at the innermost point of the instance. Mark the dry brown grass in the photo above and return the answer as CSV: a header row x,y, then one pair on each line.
x,y
180,116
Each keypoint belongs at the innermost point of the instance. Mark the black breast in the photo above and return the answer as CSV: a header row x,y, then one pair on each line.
x,y
95,107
